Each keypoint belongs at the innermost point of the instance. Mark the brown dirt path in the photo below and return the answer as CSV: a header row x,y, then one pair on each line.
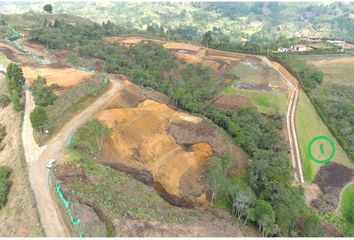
x,y
21,206
37,158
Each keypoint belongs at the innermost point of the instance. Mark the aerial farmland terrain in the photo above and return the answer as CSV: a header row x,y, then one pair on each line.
x,y
167,119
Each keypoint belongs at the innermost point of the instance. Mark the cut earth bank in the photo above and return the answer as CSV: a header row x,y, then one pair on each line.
x,y
162,147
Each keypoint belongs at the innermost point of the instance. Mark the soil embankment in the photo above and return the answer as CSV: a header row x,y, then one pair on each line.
x,y
59,76
163,147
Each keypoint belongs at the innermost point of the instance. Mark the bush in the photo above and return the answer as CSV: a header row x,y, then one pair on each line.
x,y
2,132
88,137
4,185
39,118
4,101
43,95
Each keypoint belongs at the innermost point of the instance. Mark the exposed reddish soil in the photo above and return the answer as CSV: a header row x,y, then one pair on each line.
x,y
9,53
162,146
140,141
11,48
176,45
64,77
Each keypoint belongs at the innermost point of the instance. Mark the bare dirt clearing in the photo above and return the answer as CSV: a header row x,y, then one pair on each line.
x,y
64,77
162,146
140,141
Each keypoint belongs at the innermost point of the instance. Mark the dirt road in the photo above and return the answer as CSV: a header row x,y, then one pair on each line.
x,y
290,120
37,157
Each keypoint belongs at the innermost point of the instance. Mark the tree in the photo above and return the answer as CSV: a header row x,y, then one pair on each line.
x,y
216,179
43,95
207,38
48,8
15,80
242,199
39,118
265,217
100,131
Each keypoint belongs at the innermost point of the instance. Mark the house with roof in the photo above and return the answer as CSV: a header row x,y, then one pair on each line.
x,y
311,39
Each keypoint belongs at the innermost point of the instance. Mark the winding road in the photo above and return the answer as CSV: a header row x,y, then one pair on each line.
x,y
37,157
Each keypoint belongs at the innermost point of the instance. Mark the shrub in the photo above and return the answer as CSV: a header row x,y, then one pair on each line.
x,y
2,132
4,185
4,100
39,118
43,95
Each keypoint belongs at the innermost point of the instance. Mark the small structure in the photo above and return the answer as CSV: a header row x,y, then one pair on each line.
x,y
299,48
282,49
337,43
311,39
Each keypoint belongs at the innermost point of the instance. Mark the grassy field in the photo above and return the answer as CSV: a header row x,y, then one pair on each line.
x,y
70,103
336,70
347,207
308,126
4,60
270,103
266,102
249,71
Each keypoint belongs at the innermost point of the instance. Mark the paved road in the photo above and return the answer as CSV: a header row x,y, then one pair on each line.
x,y
290,120
37,157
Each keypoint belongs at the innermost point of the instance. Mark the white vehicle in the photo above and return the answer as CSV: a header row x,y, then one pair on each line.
x,y
50,163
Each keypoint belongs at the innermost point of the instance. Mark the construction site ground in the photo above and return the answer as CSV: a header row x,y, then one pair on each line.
x,y
194,150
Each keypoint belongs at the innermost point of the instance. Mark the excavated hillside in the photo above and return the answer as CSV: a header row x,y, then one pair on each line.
x,y
57,76
162,146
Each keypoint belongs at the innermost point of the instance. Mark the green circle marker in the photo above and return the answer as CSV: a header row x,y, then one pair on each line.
x,y
321,161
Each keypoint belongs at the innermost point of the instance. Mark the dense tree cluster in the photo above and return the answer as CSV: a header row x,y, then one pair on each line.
x,y
336,104
310,76
57,35
15,80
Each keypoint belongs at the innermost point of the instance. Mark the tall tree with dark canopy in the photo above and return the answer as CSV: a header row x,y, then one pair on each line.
x,y
48,8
